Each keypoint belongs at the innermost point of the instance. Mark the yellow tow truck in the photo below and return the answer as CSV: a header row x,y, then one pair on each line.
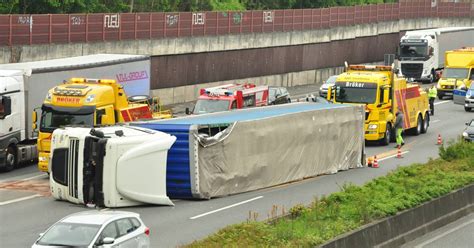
x,y
459,71
89,102
382,93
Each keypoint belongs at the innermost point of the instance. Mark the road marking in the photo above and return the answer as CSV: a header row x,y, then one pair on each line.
x,y
436,103
392,156
444,234
19,199
434,121
224,208
104,209
33,177
36,175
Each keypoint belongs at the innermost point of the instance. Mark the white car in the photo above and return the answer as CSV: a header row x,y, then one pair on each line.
x,y
97,229
323,90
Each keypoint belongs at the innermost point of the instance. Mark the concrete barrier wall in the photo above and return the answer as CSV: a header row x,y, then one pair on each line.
x,y
410,224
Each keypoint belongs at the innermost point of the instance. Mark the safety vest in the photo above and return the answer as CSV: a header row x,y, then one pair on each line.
x,y
432,92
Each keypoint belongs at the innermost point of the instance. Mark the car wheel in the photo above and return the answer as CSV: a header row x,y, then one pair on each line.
x,y
387,136
11,159
467,109
426,123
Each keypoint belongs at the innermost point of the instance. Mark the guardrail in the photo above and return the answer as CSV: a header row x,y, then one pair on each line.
x,y
68,28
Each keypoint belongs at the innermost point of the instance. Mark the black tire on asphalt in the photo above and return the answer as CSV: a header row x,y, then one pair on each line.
x,y
10,159
419,126
467,109
440,96
426,123
387,136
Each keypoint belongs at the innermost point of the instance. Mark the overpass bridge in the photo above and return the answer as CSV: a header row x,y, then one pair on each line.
x,y
201,49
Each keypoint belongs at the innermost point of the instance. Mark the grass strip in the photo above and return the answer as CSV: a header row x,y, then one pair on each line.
x,y
338,213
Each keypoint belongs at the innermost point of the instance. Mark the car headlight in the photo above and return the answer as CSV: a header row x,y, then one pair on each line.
x,y
464,134
321,88
372,126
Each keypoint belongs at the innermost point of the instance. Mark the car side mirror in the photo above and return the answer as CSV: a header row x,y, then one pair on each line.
x,y
187,111
467,123
108,241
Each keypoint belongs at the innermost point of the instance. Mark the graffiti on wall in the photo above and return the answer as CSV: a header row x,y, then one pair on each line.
x,y
112,21
172,20
268,16
199,18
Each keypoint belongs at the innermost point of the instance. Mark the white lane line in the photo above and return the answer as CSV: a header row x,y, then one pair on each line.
x,y
33,177
434,121
224,208
24,179
444,234
392,156
104,209
19,199
436,103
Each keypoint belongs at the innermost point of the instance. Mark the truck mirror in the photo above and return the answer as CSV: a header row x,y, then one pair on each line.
x,y
187,111
34,117
34,126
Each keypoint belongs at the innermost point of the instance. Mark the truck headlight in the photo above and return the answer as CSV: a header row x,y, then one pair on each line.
x,y
372,126
42,159
49,96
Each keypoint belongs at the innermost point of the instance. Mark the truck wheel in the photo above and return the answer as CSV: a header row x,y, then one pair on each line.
x,y
387,136
11,159
419,126
467,109
426,123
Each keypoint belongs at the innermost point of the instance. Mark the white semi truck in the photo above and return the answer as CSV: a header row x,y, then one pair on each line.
x,y
24,86
421,52
114,166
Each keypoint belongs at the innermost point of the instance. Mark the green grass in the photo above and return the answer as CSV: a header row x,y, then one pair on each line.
x,y
354,206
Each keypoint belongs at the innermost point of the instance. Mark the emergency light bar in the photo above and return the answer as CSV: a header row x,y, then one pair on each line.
x,y
91,80
67,92
370,68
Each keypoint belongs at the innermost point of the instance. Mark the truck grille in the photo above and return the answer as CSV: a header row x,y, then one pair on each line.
x,y
412,70
72,160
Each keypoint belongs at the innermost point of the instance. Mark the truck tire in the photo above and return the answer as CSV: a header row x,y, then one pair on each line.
x,y
426,123
419,126
387,136
467,109
11,159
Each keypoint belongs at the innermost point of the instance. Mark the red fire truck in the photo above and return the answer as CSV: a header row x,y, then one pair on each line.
x,y
230,96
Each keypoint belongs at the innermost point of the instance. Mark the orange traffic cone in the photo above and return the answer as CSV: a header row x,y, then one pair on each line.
x,y
440,141
399,152
375,163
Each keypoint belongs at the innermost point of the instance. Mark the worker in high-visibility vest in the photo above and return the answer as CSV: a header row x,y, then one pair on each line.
x,y
432,92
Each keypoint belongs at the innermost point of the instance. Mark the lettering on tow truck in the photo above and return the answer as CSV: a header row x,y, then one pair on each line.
x,y
65,99
355,84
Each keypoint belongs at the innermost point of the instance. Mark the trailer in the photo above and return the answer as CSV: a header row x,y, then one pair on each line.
x,y
242,150
24,86
421,52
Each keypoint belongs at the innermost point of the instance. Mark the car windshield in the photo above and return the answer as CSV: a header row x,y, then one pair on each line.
x,y
413,50
50,119
69,234
331,80
471,124
350,92
272,93
460,73
210,106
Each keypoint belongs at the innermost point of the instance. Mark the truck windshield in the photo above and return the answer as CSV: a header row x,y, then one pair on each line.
x,y
460,73
413,50
52,119
353,92
210,106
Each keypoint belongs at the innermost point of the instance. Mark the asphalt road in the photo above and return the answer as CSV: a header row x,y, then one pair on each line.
x,y
26,209
457,234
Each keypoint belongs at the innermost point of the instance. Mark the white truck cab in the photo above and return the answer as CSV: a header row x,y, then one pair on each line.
x,y
114,166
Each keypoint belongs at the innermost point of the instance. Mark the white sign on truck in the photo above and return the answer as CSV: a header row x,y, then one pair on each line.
x,y
421,52
23,87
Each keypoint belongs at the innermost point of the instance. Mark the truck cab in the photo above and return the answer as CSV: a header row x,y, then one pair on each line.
x,y
230,96
417,56
84,102
382,93
458,73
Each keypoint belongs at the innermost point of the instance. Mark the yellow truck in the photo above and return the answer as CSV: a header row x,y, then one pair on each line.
x,y
382,93
459,71
89,102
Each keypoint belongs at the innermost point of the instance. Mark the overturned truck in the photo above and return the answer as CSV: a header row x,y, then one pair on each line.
x,y
204,156
237,151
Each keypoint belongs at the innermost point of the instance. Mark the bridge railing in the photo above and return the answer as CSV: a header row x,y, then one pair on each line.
x,y
68,28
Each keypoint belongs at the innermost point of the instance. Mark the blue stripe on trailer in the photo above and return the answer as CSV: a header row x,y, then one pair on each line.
x,y
178,176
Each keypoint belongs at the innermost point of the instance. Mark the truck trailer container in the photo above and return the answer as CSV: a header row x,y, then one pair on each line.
x,y
421,52
24,87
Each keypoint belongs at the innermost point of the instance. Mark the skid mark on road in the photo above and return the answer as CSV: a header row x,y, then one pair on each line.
x,y
40,187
